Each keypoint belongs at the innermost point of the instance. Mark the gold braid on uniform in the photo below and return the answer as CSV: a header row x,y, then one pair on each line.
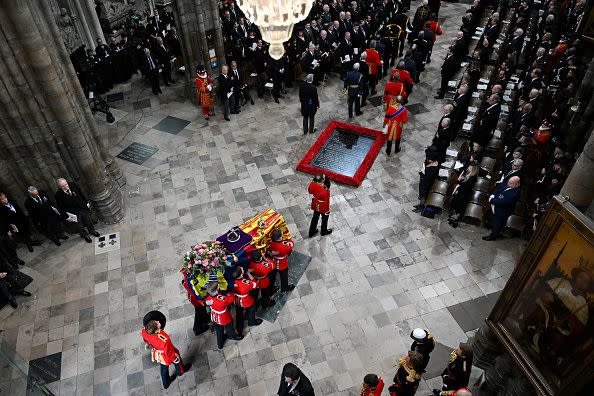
x,y
412,374
453,356
429,336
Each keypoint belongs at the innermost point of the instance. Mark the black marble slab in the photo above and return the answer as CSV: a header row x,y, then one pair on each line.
x,y
137,153
171,125
343,152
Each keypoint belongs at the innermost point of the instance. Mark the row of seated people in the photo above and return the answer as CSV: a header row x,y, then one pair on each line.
x,y
504,144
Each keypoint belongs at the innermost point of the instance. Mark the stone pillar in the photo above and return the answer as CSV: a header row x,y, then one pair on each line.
x,y
46,127
579,121
195,19
92,20
81,22
579,186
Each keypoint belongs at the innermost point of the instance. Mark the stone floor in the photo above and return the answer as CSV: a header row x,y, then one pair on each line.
x,y
383,271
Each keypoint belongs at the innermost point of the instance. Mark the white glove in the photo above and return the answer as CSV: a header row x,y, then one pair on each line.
x,y
385,129
209,87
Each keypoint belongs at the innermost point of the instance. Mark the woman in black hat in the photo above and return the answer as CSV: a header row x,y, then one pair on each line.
x,y
460,195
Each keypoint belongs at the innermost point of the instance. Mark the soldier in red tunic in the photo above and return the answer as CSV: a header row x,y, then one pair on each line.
x,y
220,314
279,250
260,268
394,88
201,317
374,62
320,204
205,89
163,352
396,117
244,300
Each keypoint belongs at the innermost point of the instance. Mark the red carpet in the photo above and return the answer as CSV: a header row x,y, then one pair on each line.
x,y
344,152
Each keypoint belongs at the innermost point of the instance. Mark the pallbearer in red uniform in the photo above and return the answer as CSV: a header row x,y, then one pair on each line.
x,y
279,251
394,88
206,93
374,62
220,314
244,300
320,204
372,385
201,317
396,117
163,352
260,268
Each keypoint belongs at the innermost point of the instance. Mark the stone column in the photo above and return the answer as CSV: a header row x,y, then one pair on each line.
x,y
88,8
578,123
81,22
195,19
579,186
46,127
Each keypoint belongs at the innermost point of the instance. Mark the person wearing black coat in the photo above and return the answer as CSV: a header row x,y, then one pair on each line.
x,y
427,176
503,203
150,68
448,69
9,285
463,188
488,121
308,96
44,213
294,382
226,91
460,103
164,59
14,223
71,200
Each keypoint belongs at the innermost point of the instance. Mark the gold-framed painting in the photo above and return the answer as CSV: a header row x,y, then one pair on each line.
x,y
545,314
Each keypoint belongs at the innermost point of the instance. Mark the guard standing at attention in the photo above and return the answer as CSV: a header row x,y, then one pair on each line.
x,y
163,352
424,343
320,204
279,251
394,120
260,269
352,84
457,374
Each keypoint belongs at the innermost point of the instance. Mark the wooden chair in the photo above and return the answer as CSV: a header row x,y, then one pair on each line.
x,y
474,214
488,164
483,184
515,224
440,186
435,200
479,198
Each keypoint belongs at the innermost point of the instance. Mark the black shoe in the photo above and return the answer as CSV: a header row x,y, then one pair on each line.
x,y
439,96
187,367
88,239
24,293
388,153
359,113
227,118
20,262
274,289
13,303
166,84
57,242
36,243
453,223
95,234
30,247
276,100
489,238
417,210
252,101
428,61
235,112
327,232
63,236
436,392
314,130
171,379
312,234
155,92
258,322
289,288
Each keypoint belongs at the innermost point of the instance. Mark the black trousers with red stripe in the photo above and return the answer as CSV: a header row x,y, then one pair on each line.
x,y
166,378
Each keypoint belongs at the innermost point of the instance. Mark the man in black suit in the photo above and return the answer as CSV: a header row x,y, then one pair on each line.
x,y
459,47
44,213
488,121
14,223
150,68
461,100
71,200
102,49
226,92
503,203
308,96
164,59
448,69
173,42
9,285
240,86
294,382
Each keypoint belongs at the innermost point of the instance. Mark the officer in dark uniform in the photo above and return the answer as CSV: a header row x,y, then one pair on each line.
x,y
457,374
408,375
424,343
352,84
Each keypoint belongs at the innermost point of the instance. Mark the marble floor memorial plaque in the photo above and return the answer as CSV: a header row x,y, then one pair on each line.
x,y
137,153
343,152
46,369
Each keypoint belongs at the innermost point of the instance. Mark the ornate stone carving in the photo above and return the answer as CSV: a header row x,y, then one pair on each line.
x,y
66,25
113,14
